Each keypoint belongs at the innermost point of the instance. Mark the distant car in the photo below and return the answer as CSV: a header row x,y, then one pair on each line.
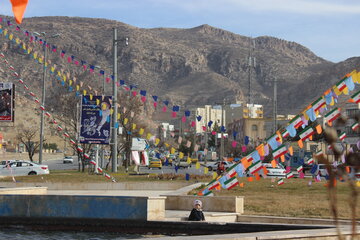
x,y
357,176
278,171
155,163
23,168
212,166
182,164
68,159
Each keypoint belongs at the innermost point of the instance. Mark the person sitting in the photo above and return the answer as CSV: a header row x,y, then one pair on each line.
x,y
197,213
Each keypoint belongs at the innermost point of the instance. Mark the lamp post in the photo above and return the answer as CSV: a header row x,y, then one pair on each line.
x,y
43,94
114,120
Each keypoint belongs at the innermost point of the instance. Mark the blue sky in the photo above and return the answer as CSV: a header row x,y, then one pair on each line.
x,y
327,27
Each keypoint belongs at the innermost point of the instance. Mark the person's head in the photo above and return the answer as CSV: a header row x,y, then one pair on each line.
x,y
197,204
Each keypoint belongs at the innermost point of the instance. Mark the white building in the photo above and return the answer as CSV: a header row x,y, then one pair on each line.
x,y
231,113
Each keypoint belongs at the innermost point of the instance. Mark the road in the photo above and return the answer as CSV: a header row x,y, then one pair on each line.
x,y
170,169
57,164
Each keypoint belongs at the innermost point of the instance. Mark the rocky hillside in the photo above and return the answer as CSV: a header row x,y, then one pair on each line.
x,y
192,67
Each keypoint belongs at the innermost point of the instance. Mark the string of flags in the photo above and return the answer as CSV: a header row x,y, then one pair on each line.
x,y
310,113
344,86
54,121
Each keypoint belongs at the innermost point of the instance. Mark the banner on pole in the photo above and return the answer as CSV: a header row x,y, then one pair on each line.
x,y
95,119
7,97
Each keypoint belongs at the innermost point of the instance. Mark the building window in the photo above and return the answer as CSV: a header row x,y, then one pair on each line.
x,y
254,127
351,113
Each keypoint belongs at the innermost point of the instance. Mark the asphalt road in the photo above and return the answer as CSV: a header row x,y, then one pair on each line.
x,y
58,164
171,169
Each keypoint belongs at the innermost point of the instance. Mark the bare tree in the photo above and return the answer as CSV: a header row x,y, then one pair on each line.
x,y
27,137
67,103
130,110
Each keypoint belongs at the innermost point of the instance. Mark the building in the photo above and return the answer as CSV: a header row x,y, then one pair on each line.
x,y
251,127
164,130
232,112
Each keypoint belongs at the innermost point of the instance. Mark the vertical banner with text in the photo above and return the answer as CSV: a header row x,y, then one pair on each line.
x,y
7,97
95,119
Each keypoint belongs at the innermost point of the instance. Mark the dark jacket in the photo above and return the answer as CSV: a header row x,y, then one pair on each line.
x,y
196,215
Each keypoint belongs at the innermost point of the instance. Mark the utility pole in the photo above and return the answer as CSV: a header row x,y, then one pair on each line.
x,y
102,147
222,152
275,105
114,101
42,103
43,94
114,120
251,65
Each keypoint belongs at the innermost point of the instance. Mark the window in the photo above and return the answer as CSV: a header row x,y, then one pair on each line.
x,y
351,113
254,127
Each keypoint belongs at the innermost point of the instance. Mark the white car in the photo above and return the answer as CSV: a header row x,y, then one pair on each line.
x,y
23,168
68,159
278,171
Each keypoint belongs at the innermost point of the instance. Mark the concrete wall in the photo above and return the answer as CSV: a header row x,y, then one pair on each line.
x,y
103,186
27,190
87,207
210,204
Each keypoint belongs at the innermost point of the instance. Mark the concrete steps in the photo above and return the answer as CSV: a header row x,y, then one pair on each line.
x,y
290,220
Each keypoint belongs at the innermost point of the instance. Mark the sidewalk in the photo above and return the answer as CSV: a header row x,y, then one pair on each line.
x,y
25,156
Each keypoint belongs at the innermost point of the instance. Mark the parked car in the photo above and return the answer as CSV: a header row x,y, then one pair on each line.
x,y
23,168
278,171
357,176
68,159
155,163
182,164
212,166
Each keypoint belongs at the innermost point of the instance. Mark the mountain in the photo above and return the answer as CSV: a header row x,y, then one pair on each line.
x,y
191,67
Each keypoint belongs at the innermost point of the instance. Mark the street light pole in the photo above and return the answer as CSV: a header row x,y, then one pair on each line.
x,y
275,105
42,103
222,153
43,95
114,120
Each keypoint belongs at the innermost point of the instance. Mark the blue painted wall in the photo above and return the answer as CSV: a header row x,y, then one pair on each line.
x,y
111,207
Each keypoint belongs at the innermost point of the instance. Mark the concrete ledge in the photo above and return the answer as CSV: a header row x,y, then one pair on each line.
x,y
233,204
82,207
102,186
146,227
290,220
24,190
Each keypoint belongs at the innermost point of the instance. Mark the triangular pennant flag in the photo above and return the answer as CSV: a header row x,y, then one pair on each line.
x,y
18,8
318,129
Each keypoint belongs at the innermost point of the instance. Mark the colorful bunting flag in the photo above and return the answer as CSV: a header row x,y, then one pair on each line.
x,y
280,181
310,161
231,172
332,115
230,183
341,85
296,121
289,175
306,133
355,126
255,167
278,152
319,103
356,97
213,184
342,136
